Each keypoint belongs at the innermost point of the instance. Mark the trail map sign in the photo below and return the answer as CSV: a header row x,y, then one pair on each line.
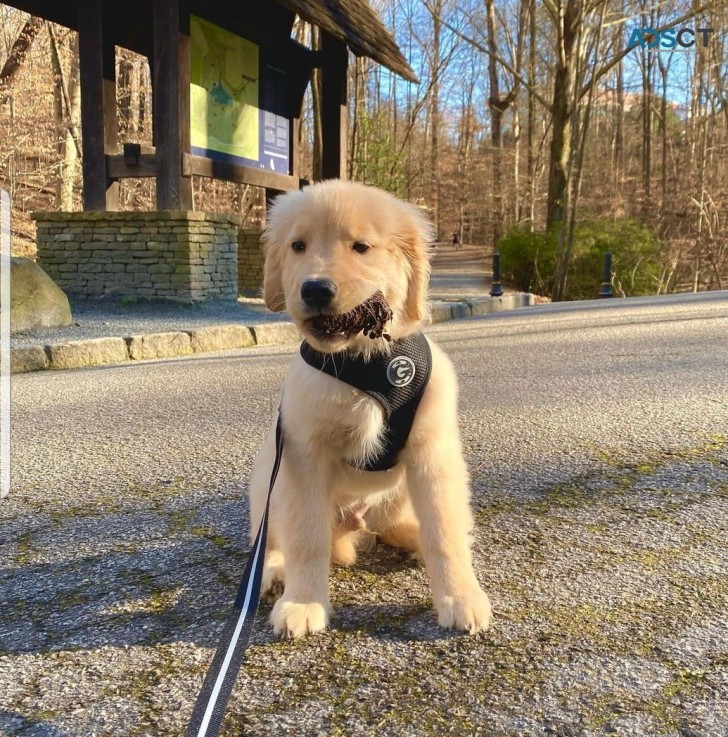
x,y
235,100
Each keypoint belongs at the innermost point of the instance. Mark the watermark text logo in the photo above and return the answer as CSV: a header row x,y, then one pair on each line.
x,y
669,39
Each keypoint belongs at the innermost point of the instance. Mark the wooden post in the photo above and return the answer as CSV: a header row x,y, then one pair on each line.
x,y
183,99
334,115
91,61
170,86
293,147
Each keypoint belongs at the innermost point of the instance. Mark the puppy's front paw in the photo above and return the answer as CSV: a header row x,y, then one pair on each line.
x,y
469,611
291,619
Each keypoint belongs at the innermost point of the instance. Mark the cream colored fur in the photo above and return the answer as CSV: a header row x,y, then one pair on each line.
x,y
322,508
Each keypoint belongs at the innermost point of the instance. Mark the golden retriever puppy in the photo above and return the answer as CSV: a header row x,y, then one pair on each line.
x,y
334,251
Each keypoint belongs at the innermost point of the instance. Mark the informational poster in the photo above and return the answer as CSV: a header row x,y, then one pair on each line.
x,y
233,106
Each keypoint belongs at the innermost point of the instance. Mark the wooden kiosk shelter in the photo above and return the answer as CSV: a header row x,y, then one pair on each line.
x,y
216,67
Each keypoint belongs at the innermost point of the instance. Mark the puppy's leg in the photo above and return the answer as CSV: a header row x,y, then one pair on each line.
x,y
438,484
306,540
273,567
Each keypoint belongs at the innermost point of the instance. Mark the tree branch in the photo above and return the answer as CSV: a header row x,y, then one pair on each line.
x,y
17,54
599,73
508,67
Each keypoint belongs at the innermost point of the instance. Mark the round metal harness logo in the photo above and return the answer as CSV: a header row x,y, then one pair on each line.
x,y
401,371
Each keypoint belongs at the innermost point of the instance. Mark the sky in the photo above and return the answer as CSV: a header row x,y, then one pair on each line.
x,y
679,62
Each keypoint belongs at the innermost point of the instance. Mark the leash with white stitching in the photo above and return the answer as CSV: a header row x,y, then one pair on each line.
x,y
209,711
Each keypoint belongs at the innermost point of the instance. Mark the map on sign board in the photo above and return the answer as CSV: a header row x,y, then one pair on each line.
x,y
227,119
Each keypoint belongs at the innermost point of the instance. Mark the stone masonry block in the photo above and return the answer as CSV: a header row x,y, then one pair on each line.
x,y
27,358
159,345
440,311
275,332
87,352
460,309
220,338
103,242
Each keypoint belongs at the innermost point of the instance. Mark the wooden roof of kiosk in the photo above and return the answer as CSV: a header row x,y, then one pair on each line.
x,y
160,30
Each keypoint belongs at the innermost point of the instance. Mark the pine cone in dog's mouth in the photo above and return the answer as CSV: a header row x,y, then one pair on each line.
x,y
370,317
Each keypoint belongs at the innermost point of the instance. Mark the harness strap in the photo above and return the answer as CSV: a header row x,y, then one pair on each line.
x,y
397,379
209,711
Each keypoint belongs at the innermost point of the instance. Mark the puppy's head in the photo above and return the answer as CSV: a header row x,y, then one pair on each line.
x,y
332,247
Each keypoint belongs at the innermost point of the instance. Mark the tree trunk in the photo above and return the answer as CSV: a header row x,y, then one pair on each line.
x,y
124,74
531,182
135,99
358,112
496,128
582,115
465,150
618,160
647,130
562,110
67,106
516,164
435,117
663,114
316,97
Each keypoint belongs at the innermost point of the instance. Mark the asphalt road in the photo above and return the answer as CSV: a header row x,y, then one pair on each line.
x,y
597,437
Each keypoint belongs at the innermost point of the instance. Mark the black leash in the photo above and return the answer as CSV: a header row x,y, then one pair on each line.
x,y
209,711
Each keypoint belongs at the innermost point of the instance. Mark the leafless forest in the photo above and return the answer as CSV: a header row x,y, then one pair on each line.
x,y
535,129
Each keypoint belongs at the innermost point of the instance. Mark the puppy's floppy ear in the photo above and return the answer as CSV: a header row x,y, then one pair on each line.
x,y
275,298
273,294
415,236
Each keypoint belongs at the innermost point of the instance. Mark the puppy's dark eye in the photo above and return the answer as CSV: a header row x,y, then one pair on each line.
x,y
361,247
298,246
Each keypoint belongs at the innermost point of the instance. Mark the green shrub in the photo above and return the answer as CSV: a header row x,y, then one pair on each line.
x,y
528,260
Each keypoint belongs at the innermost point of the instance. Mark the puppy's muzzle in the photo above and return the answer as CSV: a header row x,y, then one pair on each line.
x,y
370,317
318,293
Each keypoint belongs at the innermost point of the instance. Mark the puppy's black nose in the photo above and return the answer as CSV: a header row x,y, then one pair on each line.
x,y
318,292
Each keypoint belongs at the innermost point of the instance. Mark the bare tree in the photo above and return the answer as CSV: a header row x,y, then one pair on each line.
x,y
498,103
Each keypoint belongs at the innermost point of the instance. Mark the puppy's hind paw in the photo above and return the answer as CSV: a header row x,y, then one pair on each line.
x,y
291,619
343,550
272,583
468,611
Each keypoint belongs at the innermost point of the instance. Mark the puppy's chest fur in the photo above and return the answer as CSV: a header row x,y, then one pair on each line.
x,y
355,435
330,417
351,425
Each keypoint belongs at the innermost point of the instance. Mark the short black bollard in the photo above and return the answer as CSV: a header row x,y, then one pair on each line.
x,y
496,290
606,288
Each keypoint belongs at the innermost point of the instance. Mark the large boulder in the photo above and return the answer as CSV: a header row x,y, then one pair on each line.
x,y
36,301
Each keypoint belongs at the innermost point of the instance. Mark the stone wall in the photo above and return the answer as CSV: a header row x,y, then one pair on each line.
x,y
250,262
175,255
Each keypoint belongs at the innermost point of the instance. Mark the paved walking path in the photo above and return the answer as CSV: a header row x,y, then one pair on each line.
x,y
460,272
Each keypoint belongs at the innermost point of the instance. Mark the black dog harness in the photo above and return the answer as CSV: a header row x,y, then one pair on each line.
x,y
397,380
